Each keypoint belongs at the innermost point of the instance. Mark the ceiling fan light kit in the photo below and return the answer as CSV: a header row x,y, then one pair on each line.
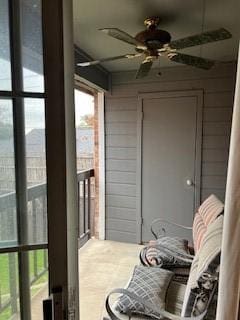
x,y
154,43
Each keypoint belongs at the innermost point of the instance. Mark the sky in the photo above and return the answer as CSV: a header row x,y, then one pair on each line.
x,y
34,108
84,104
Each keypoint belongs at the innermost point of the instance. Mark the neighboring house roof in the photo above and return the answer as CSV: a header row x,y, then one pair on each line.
x,y
35,142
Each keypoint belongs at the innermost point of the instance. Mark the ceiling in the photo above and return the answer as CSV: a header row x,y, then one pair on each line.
x,y
180,18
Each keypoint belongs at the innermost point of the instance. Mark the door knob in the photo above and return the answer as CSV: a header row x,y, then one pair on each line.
x,y
189,182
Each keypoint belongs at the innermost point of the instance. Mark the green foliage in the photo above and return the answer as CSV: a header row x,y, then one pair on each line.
x,y
6,314
5,278
4,275
86,121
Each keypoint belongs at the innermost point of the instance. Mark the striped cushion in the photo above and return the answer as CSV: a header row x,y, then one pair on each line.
x,y
210,209
204,271
209,255
199,230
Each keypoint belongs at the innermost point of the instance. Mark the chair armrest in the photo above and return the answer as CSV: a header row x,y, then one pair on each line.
x,y
148,305
158,227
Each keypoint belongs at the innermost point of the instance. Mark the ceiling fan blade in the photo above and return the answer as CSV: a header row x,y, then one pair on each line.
x,y
120,35
192,61
144,69
92,63
202,38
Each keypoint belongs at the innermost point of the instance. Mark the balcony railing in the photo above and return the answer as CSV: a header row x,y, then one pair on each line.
x,y
86,195
37,232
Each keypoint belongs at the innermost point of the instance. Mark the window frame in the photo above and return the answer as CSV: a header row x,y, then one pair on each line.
x,y
58,62
17,95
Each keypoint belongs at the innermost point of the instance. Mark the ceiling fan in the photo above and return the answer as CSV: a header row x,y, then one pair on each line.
x,y
153,43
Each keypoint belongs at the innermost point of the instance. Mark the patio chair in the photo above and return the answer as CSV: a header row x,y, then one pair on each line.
x,y
150,297
173,252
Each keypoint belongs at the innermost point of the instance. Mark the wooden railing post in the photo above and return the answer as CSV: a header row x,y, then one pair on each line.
x,y
45,259
85,208
13,282
89,206
44,231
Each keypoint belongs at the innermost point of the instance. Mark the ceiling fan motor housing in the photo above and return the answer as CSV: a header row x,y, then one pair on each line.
x,y
153,38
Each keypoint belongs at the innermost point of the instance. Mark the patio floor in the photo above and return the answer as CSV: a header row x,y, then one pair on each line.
x,y
104,265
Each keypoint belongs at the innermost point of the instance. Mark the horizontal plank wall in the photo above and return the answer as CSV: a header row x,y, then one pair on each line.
x,y
121,150
121,137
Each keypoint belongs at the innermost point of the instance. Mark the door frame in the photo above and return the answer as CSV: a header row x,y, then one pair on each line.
x,y
198,149
99,163
58,53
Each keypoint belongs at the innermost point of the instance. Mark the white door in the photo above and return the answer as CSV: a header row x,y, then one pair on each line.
x,y
170,153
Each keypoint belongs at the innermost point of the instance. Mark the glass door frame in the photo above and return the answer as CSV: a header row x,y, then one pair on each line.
x,y
17,95
58,51
61,158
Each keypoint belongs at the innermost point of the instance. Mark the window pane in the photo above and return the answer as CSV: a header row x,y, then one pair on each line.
x,y
5,66
32,55
84,116
8,225
9,288
38,268
36,170
9,284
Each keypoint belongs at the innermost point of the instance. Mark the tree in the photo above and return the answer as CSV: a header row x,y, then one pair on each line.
x,y
86,121
89,119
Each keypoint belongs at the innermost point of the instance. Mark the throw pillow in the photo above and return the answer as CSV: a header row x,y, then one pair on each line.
x,y
167,252
209,255
150,284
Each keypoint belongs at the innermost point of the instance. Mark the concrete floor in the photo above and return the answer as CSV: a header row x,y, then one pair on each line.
x,y
104,265
36,303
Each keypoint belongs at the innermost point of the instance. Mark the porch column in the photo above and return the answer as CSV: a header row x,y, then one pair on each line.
x,y
229,284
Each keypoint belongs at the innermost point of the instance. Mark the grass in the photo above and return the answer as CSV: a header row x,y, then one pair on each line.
x,y
5,278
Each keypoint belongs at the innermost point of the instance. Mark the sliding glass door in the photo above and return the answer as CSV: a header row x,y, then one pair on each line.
x,y
38,181
23,201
